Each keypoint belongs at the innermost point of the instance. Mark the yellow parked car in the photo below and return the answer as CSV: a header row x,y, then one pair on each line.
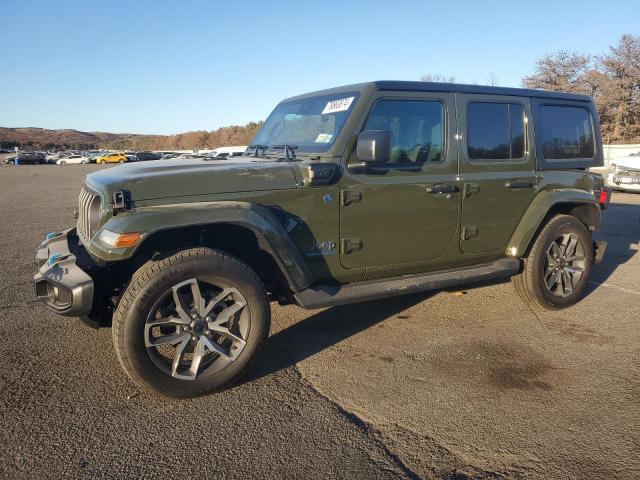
x,y
112,158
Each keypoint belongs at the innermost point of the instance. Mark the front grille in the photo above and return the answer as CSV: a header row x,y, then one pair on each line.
x,y
88,213
626,176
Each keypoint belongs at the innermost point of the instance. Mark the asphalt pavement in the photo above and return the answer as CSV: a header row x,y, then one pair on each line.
x,y
467,383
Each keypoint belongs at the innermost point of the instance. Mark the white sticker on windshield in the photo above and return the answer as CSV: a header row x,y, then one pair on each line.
x,y
339,105
324,138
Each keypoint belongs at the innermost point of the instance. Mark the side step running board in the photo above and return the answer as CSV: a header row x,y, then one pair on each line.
x,y
319,296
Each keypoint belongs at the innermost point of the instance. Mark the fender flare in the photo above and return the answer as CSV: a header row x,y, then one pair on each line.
x,y
539,208
257,218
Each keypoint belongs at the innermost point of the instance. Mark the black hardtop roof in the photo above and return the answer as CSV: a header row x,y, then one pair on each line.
x,y
481,89
409,86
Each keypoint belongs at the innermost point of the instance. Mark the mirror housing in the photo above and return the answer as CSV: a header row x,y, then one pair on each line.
x,y
374,146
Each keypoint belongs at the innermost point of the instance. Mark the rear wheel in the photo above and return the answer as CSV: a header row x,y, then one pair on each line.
x,y
556,271
63,163
191,323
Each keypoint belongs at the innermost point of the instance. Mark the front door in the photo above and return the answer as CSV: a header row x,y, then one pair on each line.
x,y
497,168
405,211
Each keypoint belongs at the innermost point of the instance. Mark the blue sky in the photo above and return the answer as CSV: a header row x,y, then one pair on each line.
x,y
173,66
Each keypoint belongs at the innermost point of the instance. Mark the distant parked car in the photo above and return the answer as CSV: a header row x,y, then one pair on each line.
x,y
130,157
221,153
28,158
624,173
143,156
111,158
72,159
93,155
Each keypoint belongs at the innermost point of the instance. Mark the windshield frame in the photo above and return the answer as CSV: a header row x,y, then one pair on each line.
x,y
340,114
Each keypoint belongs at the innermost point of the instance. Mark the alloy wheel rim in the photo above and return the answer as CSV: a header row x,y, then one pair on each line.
x,y
196,329
564,265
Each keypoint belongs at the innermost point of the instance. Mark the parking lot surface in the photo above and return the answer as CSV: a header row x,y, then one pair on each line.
x,y
470,383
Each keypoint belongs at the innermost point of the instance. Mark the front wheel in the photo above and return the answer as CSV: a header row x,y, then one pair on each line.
x,y
557,269
191,323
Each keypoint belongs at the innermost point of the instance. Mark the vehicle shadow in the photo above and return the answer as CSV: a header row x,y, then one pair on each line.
x,y
324,329
621,230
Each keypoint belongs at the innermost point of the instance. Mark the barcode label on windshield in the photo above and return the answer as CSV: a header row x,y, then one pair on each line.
x,y
339,105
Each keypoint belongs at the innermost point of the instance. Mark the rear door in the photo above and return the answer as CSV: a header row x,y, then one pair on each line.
x,y
497,168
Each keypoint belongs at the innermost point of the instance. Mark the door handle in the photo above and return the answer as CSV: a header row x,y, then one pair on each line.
x,y
442,188
518,184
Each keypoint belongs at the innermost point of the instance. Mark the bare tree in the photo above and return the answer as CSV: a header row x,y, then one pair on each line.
x,y
560,71
492,79
621,68
437,77
613,80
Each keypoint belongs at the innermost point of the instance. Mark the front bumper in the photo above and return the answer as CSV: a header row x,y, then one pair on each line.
x,y
624,180
60,283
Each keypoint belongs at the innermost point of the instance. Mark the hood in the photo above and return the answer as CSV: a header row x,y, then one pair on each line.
x,y
195,176
631,162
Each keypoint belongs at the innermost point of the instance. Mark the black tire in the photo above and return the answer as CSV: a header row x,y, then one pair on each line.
x,y
531,283
146,290
63,163
12,162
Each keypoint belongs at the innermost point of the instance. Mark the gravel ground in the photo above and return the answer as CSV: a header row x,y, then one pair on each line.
x,y
455,384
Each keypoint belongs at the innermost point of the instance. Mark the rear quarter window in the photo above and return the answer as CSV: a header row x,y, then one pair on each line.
x,y
566,132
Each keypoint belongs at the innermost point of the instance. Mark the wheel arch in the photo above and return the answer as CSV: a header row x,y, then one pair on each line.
x,y
544,206
253,233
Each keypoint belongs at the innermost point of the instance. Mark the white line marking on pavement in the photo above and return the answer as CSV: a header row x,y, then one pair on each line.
x,y
610,285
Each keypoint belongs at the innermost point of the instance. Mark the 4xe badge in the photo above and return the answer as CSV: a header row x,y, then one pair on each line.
x,y
327,198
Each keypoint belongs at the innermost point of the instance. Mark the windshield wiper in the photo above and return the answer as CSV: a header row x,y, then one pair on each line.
x,y
289,151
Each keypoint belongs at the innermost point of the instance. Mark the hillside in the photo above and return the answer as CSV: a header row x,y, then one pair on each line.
x,y
44,139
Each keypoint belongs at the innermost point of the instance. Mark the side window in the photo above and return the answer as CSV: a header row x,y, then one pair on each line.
x,y
567,132
495,131
416,127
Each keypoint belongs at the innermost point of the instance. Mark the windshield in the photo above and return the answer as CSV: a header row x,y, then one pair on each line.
x,y
309,125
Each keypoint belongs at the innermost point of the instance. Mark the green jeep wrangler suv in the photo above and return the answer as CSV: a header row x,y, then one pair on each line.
x,y
345,195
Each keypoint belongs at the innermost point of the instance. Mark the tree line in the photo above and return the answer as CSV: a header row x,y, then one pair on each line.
x,y
612,79
43,139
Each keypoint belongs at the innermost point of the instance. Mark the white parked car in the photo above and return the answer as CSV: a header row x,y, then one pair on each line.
x,y
72,159
624,173
221,153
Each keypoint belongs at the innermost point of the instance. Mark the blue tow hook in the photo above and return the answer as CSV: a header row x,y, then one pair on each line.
x,y
50,235
53,258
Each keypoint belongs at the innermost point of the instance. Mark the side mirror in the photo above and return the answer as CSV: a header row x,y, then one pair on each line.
x,y
374,146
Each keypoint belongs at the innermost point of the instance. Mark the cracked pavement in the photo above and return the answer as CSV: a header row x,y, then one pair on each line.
x,y
469,383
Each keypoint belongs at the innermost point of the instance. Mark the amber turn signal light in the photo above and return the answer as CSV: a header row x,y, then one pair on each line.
x,y
127,239
120,240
